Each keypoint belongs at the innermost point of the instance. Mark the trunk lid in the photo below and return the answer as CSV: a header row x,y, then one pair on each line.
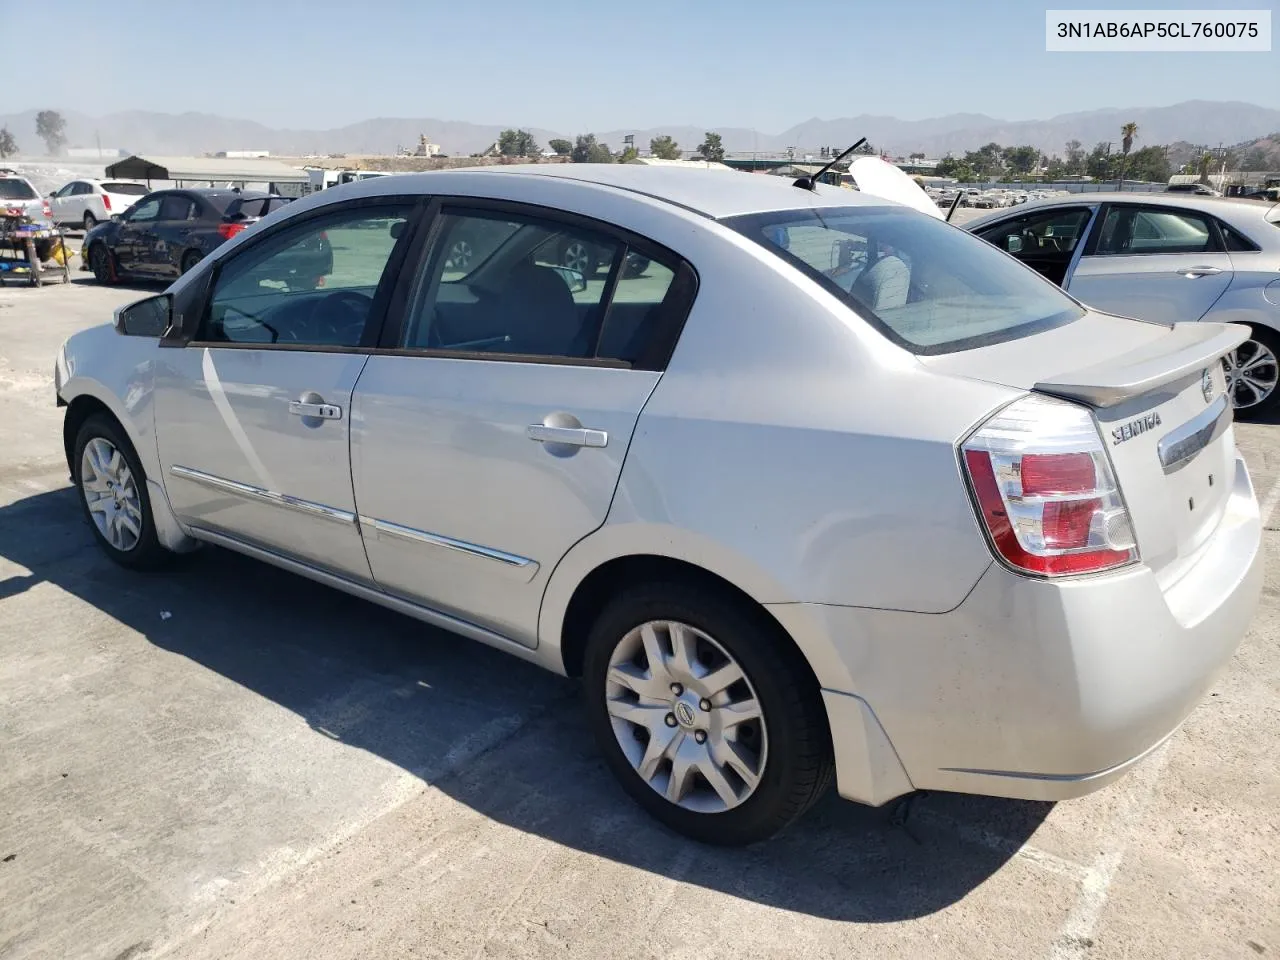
x,y
1157,392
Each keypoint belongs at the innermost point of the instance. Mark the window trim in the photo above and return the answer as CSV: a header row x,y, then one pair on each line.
x,y
1215,235
382,300
676,305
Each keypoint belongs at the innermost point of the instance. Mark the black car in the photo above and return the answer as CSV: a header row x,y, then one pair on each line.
x,y
168,232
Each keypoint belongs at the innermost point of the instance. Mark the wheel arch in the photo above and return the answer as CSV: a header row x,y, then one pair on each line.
x,y
596,567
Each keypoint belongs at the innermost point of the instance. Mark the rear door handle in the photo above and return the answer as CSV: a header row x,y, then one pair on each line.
x,y
1192,273
574,436
321,411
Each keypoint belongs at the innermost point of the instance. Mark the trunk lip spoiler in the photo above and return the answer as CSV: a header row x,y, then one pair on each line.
x,y
1195,346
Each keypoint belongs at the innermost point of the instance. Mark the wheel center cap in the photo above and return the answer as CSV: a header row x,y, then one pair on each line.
x,y
685,714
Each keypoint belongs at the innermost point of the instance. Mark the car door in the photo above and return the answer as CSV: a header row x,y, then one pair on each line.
x,y
253,414
134,234
1154,262
1048,241
489,434
169,235
63,204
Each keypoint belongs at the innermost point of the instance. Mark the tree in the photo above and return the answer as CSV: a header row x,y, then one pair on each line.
x,y
986,162
1075,158
562,147
1100,164
1127,133
1150,164
711,148
517,143
8,146
587,150
664,148
628,154
917,156
1205,165
52,129
955,170
1020,160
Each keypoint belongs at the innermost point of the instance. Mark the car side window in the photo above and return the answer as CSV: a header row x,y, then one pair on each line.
x,y
146,210
308,284
176,207
637,307
1236,241
82,189
1053,231
1155,230
502,284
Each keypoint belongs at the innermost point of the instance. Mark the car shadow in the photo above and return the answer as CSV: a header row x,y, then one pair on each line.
x,y
386,684
141,286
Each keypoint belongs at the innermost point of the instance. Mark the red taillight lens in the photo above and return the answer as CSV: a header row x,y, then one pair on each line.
x,y
1054,512
228,230
106,202
48,210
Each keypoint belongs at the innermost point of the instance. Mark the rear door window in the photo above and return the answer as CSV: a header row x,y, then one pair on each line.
x,y
1129,230
177,207
925,284
126,189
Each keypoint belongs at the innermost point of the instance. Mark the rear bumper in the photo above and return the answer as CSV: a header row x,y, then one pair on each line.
x,y
1035,689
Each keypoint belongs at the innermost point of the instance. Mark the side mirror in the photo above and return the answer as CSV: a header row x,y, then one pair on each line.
x,y
396,229
115,218
1013,243
145,318
574,279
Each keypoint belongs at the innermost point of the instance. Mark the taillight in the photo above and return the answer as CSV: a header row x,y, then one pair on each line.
x,y
48,210
1045,491
106,202
228,230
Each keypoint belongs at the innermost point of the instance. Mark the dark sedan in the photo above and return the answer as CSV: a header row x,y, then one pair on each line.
x,y
168,232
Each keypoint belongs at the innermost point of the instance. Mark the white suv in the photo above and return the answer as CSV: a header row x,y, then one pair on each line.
x,y
89,202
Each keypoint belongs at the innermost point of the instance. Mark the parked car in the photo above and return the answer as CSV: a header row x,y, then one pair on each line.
x,y
687,487
482,236
1197,189
18,198
168,232
86,203
1168,258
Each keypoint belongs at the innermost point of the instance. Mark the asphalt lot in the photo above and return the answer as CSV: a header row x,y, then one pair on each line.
x,y
228,761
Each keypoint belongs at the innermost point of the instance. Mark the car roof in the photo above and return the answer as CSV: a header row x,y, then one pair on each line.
x,y
711,193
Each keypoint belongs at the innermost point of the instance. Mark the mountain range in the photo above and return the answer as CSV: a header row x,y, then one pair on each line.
x,y
1198,121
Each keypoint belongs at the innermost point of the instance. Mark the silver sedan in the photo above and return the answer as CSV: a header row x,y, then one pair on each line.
x,y
804,484
1168,258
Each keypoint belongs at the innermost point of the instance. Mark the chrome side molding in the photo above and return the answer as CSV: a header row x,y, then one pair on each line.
x,y
522,566
261,495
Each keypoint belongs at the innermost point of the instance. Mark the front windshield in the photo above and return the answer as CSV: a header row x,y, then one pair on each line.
x,y
925,284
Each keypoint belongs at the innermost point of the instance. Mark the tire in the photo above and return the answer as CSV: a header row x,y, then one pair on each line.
x,y
1253,375
90,221
189,260
99,440
789,748
100,262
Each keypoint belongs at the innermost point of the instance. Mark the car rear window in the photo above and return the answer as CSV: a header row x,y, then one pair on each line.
x,y
17,190
255,207
925,284
129,189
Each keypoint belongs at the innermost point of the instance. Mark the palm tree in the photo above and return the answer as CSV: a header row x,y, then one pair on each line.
x,y
1127,132
1206,163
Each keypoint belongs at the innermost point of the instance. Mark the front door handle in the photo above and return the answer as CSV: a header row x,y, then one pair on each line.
x,y
321,411
1192,273
573,436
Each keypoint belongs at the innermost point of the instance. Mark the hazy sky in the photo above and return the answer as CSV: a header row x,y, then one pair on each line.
x,y
571,65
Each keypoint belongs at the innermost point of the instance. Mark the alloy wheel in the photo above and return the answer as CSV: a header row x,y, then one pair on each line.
x,y
1252,373
686,717
460,255
577,257
111,494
